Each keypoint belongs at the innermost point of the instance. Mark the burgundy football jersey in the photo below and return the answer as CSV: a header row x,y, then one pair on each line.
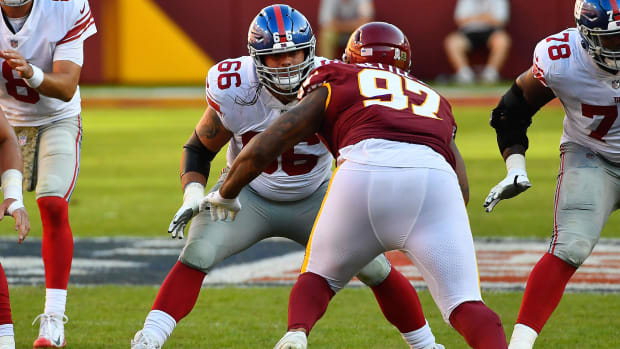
x,y
379,101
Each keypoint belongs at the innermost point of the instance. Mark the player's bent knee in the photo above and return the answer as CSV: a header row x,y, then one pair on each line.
x,y
199,255
375,272
576,252
51,185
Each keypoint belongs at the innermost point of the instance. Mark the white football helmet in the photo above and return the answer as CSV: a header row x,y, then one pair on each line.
x,y
14,3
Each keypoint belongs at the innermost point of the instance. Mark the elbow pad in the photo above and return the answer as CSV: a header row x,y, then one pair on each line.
x,y
197,157
511,118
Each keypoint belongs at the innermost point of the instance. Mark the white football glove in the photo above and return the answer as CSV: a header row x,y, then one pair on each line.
x,y
194,192
221,208
514,184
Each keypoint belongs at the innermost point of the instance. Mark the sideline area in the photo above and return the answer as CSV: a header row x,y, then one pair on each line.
x,y
504,264
194,96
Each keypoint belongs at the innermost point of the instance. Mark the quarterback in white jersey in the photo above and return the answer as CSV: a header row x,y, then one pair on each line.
x,y
245,95
580,67
41,53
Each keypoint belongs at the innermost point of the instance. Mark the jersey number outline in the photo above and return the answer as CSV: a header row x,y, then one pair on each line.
x,y
292,164
225,80
368,78
559,51
609,113
12,84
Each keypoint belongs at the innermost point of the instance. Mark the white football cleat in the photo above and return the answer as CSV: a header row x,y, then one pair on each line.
x,y
51,331
143,341
7,342
293,340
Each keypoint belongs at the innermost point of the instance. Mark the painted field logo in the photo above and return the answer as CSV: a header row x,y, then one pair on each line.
x,y
503,264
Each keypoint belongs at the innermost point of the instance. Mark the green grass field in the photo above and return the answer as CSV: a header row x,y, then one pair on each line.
x,y
128,186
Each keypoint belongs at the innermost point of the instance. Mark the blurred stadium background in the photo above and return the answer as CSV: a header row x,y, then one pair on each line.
x,y
153,42
143,92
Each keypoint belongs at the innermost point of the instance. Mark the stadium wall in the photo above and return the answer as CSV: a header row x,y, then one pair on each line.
x,y
153,42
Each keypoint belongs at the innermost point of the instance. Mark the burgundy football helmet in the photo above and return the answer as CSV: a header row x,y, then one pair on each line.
x,y
379,42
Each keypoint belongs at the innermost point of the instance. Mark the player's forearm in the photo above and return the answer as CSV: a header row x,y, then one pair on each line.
x,y
242,172
58,85
10,154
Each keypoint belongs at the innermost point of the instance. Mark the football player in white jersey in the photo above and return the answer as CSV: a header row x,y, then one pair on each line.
x,y
245,96
11,178
580,67
41,53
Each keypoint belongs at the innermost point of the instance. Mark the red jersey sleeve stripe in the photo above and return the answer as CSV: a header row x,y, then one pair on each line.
x,y
77,30
77,36
79,21
213,104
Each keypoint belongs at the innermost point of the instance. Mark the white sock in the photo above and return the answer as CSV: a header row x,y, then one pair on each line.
x,y
523,337
420,338
55,301
159,325
6,330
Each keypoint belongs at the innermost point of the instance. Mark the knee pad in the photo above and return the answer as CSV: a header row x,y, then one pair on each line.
x,y
376,271
576,252
198,254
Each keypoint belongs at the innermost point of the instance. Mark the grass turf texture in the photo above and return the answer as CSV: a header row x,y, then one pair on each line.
x,y
128,186
129,177
108,316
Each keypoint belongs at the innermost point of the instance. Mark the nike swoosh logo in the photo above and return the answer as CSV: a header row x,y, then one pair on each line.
x,y
83,8
57,341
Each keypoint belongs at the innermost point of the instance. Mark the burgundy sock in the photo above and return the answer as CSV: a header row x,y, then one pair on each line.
x,y
308,301
179,292
544,290
399,302
479,325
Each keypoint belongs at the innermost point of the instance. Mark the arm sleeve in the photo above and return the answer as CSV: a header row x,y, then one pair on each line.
x,y
318,78
222,99
72,51
541,63
83,23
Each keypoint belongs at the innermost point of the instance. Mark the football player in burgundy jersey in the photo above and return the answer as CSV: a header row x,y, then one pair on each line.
x,y
41,53
11,169
245,96
400,184
580,67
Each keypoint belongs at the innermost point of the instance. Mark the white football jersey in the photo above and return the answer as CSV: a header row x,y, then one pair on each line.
x,y
590,95
232,87
50,23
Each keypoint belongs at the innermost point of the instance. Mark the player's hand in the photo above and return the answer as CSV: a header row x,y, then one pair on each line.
x,y
182,217
11,207
192,195
17,62
221,208
514,184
